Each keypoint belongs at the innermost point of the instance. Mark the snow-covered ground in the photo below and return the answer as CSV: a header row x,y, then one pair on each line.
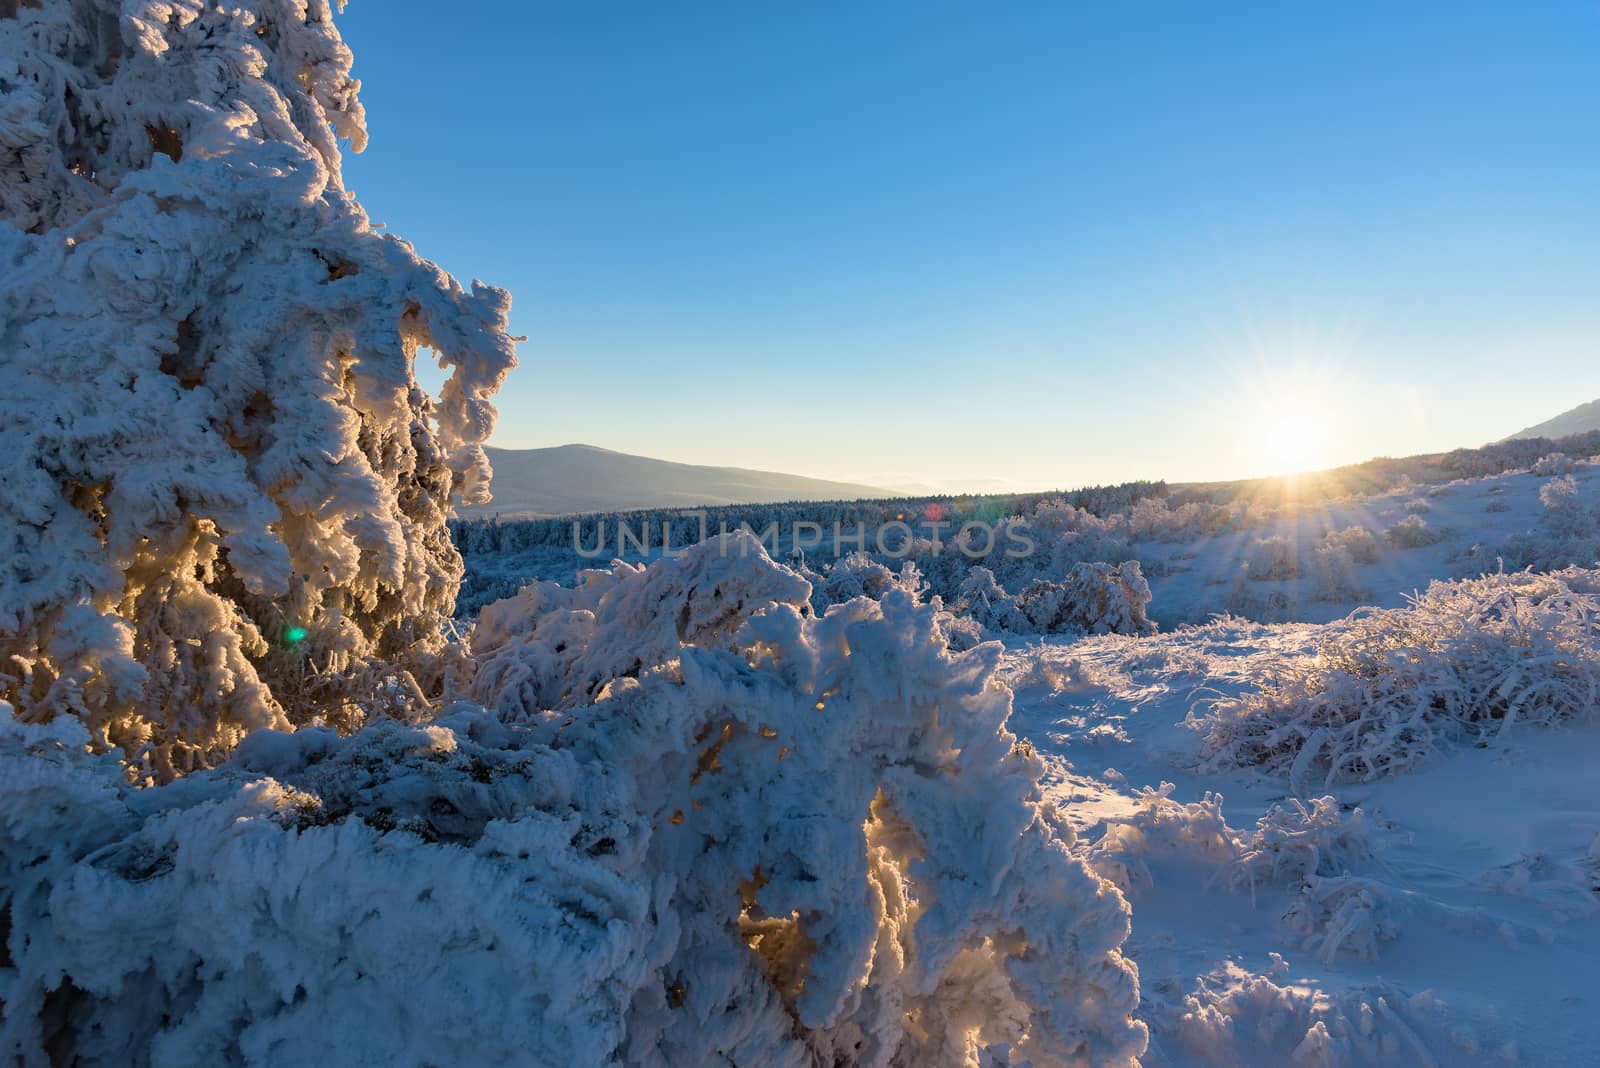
x,y
1470,936
1444,914
1473,520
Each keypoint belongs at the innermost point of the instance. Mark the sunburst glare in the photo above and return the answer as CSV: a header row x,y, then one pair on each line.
x,y
1291,423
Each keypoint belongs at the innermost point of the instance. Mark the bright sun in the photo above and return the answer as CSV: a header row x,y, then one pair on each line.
x,y
1288,428
1291,441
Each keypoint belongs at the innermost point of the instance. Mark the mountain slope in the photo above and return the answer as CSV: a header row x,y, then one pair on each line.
x,y
1580,420
582,478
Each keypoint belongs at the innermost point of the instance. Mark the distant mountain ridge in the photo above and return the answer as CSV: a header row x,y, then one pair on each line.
x,y
1579,420
570,479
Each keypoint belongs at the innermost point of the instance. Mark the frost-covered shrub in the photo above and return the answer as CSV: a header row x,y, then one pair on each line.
x,y
960,632
225,492
468,895
1154,519
1242,599
1358,542
1272,559
1094,598
859,575
1234,1016
1568,532
1342,913
1333,568
1160,827
1465,661
981,598
694,824
1412,532
1295,841
1564,513
1418,506
1554,464
1335,561
1310,850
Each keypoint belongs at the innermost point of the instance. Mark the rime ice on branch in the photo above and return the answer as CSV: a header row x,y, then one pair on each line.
x,y
213,442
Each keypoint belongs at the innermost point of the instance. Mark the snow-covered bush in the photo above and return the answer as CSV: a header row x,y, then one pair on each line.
x,y
1418,506
1295,841
1465,661
1554,464
1358,542
983,599
1237,1017
1272,559
1335,562
694,824
1568,533
1342,913
1160,827
225,492
1565,516
1094,598
1412,532
1310,851
859,575
1336,579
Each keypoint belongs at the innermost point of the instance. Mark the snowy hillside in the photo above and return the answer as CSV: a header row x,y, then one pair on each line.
x,y
582,478
1580,420
1273,551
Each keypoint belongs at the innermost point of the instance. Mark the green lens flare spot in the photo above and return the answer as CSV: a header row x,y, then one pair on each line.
x,y
294,635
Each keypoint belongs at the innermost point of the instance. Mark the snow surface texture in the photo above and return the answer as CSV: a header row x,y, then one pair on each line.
x,y
1441,916
226,493
689,822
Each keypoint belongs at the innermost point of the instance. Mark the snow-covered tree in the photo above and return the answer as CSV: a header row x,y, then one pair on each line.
x,y
225,492
1095,598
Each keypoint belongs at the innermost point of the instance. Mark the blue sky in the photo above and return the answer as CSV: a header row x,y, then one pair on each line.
x,y
1042,243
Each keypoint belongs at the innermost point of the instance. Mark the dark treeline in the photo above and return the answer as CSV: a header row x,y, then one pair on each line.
x,y
492,535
